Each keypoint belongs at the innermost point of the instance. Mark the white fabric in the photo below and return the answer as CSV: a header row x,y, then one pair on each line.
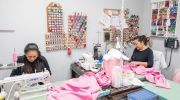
x,y
159,60
113,53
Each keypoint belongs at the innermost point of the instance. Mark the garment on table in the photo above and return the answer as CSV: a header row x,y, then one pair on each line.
x,y
143,56
110,60
102,78
83,88
109,64
150,74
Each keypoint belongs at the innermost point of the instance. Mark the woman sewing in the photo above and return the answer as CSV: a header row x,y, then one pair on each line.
x,y
33,61
142,54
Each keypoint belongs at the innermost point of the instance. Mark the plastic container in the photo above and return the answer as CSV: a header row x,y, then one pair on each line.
x,y
142,94
116,77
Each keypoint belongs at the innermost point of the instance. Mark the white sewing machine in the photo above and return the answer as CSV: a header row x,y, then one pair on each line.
x,y
88,63
24,85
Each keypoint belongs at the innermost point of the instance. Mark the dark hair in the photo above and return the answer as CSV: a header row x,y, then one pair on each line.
x,y
142,38
31,46
27,68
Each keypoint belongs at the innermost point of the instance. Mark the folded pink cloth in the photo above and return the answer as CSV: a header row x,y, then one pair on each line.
x,y
83,88
150,74
102,78
160,81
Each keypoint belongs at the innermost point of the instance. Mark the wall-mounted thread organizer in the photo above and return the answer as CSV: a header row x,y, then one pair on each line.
x,y
77,30
55,41
128,33
163,19
56,37
133,24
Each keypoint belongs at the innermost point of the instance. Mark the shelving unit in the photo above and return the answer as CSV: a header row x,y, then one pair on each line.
x,y
163,19
55,36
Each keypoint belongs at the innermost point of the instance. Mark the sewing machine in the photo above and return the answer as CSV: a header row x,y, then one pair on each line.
x,y
24,84
88,63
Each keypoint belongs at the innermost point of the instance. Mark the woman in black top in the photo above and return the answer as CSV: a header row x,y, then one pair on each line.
x,y
142,54
33,61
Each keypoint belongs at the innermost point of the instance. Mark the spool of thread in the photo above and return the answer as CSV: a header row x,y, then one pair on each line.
x,y
1,98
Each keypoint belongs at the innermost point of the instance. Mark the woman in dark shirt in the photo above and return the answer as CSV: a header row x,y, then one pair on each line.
x,y
33,61
142,54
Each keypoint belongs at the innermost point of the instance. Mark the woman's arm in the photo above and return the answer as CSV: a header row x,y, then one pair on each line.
x,y
150,59
46,65
138,63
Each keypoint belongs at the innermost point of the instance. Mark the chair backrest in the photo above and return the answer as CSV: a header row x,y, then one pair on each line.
x,y
176,76
159,60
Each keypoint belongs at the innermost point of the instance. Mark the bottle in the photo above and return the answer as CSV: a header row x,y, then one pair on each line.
x,y
14,57
16,95
116,77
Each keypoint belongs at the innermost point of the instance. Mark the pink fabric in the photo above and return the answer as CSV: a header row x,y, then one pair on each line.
x,y
176,76
108,65
103,79
160,81
83,88
150,74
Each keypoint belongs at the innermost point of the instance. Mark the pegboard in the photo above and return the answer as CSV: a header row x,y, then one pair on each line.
x,y
128,33
55,36
55,18
133,24
55,41
77,30
163,18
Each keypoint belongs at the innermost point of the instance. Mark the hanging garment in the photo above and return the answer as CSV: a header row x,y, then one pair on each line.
x,y
83,88
159,60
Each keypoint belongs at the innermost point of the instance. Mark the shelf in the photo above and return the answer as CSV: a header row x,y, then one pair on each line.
x,y
10,66
163,36
7,30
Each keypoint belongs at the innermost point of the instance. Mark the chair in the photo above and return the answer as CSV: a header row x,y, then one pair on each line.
x,y
159,60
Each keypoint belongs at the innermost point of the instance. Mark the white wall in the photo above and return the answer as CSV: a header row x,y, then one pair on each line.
x,y
28,19
158,43
136,7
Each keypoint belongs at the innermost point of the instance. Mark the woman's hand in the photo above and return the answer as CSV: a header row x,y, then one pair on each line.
x,y
137,63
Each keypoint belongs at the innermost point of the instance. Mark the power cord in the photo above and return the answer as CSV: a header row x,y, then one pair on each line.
x,y
170,59
8,97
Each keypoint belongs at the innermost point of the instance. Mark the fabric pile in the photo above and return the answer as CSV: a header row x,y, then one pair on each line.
x,y
83,88
150,74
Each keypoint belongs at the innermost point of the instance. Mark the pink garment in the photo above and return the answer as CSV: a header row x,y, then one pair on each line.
x,y
108,65
176,76
83,88
150,74
102,78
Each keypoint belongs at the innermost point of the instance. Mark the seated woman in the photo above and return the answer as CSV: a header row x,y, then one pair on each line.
x,y
33,61
142,54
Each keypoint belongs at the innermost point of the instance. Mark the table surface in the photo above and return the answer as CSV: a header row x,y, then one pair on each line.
x,y
165,94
